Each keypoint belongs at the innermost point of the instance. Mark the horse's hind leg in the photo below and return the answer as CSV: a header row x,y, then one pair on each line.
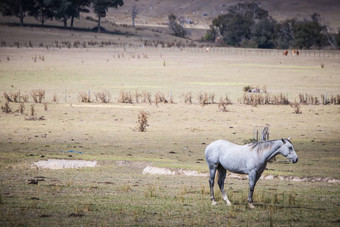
x,y
222,173
212,171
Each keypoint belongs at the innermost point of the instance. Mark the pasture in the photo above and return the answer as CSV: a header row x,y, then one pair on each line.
x,y
116,192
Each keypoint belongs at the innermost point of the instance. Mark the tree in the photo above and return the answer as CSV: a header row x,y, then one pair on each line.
x,y
134,13
337,38
100,8
309,33
176,28
78,6
263,33
17,8
285,33
61,10
245,24
41,11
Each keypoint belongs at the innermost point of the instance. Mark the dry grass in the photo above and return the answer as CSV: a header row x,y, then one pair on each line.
x,y
176,139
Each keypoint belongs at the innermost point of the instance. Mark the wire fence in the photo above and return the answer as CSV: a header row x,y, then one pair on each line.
x,y
167,47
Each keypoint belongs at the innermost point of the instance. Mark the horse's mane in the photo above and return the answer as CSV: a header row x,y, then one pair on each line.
x,y
262,145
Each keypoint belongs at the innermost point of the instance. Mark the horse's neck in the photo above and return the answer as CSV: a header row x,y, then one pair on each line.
x,y
273,151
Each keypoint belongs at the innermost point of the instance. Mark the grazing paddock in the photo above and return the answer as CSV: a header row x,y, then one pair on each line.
x,y
116,191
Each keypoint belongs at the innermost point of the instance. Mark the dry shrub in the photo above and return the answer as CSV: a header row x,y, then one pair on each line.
x,y
205,98
332,100
160,98
142,122
103,97
82,97
296,107
125,97
38,95
24,98
222,105
55,98
259,99
21,107
308,99
7,97
187,97
45,106
137,96
32,110
15,96
6,108
322,65
146,97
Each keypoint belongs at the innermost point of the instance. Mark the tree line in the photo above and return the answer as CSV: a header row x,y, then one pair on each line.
x,y
248,25
60,10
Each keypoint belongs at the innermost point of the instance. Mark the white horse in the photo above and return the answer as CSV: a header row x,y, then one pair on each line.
x,y
248,159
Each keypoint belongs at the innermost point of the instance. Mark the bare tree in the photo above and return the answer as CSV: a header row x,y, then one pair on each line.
x,y
134,13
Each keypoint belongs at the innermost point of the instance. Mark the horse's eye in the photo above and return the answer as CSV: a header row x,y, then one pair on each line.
x,y
290,148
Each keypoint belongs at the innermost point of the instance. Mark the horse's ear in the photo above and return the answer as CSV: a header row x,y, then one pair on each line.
x,y
288,138
283,141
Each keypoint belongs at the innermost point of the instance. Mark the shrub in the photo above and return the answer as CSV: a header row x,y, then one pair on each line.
x,y
222,105
125,97
159,97
142,122
104,97
8,99
187,97
297,109
6,108
21,108
38,95
82,97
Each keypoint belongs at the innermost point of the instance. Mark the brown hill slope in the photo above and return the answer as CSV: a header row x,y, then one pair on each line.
x,y
203,11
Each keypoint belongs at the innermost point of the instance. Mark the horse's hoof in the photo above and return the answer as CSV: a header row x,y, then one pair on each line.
x,y
229,203
214,203
251,205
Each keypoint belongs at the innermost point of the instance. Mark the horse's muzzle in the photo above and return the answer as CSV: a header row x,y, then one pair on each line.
x,y
295,160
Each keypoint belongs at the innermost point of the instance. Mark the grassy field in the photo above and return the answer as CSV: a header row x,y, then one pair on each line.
x,y
116,192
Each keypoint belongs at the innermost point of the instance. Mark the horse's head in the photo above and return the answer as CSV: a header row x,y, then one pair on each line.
x,y
288,151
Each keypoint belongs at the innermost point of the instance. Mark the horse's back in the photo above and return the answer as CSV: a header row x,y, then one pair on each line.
x,y
231,156
217,148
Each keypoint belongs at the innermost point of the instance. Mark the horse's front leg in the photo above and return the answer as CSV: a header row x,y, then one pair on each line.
x,y
253,178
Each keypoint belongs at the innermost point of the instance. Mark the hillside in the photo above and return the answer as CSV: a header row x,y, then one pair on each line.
x,y
202,12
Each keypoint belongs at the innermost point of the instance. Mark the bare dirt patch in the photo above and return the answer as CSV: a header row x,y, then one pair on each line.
x,y
63,164
164,171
